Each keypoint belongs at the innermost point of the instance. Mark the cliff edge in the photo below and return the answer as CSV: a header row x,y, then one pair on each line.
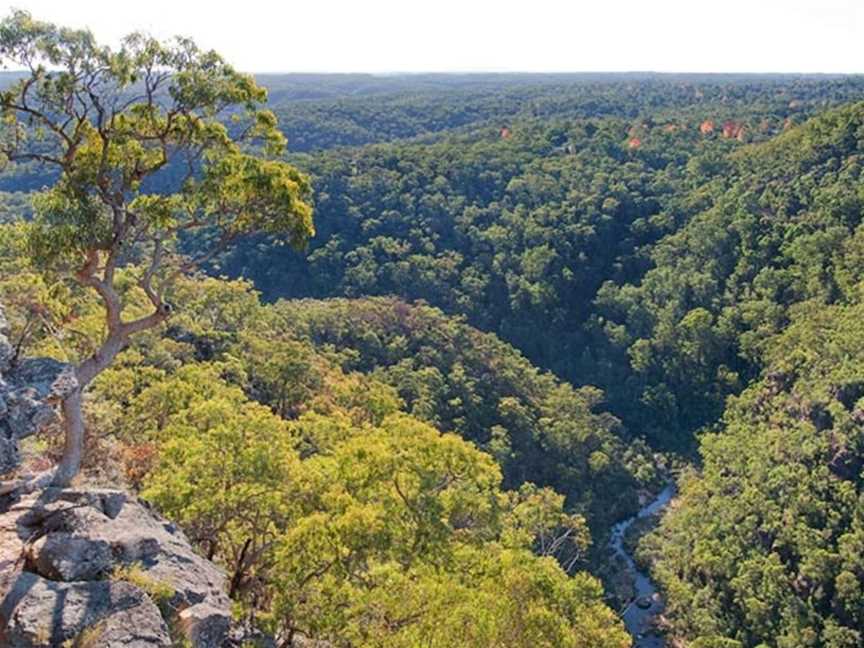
x,y
98,568
81,568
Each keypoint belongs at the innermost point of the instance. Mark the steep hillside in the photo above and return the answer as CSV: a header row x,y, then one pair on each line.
x,y
509,231
783,227
461,380
528,298
311,485
645,247
765,545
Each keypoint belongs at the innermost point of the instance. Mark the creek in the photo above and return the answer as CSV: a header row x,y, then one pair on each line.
x,y
647,602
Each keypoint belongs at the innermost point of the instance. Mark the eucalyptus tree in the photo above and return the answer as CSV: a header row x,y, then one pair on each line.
x,y
147,142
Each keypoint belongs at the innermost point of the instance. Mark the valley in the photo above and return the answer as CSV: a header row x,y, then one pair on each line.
x,y
404,355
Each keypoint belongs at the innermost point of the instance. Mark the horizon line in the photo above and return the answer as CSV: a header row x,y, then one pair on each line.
x,y
552,72
516,72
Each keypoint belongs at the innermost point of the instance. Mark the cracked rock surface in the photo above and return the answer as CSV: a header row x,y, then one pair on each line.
x,y
29,393
60,552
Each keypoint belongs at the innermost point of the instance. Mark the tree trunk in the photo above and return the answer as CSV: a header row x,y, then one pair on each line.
x,y
73,447
73,415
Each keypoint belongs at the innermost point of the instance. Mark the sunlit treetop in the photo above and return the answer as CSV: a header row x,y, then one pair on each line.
x,y
110,120
147,142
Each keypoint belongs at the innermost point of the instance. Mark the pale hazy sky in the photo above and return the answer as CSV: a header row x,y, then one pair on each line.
x,y
499,35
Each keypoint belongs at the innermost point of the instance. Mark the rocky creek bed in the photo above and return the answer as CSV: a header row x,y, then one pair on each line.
x,y
645,602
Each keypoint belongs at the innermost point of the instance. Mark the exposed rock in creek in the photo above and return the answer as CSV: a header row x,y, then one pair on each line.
x,y
99,568
645,605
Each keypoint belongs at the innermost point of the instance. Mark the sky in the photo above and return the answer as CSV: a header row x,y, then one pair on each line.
x,y
384,36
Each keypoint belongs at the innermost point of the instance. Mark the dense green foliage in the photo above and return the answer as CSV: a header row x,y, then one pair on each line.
x,y
764,548
387,535
771,233
461,380
537,226
336,513
766,545
385,452
373,357
722,263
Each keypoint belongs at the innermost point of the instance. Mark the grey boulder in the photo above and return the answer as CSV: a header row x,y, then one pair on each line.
x,y
61,548
41,612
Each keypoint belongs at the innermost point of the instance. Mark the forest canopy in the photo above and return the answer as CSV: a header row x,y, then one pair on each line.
x,y
528,297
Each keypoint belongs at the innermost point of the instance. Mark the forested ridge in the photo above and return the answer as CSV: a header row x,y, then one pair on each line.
x,y
335,506
762,546
553,223
529,302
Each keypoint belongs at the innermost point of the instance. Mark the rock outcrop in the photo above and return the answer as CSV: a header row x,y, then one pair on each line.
x,y
99,568
29,393
91,567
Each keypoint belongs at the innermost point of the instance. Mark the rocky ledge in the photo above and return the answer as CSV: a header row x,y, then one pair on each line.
x,y
85,568
30,389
